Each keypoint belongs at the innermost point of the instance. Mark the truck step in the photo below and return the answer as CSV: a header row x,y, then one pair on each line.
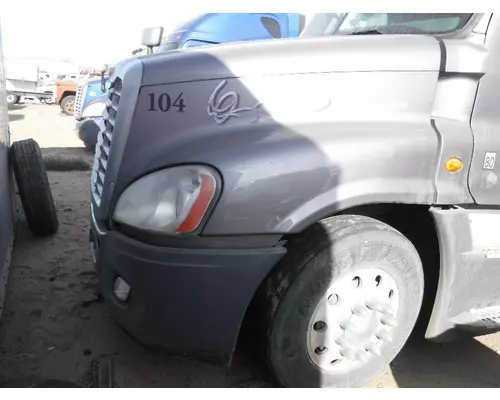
x,y
488,317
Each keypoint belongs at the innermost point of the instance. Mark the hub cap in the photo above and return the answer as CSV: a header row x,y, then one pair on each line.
x,y
354,320
70,106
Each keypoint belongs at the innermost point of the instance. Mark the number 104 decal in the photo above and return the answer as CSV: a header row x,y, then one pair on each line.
x,y
163,102
489,160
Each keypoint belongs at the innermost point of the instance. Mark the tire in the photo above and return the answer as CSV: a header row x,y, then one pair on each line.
x,y
89,146
12,99
68,105
34,188
332,252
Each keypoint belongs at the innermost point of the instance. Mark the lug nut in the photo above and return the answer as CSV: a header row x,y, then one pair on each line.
x,y
348,352
388,320
384,335
343,341
350,326
383,308
361,310
374,305
387,309
362,356
374,349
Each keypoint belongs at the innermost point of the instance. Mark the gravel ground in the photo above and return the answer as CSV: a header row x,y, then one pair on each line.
x,y
55,325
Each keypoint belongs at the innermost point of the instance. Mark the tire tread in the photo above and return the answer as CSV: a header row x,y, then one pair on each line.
x,y
34,187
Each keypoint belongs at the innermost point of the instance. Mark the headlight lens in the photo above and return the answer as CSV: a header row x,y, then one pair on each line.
x,y
94,110
172,201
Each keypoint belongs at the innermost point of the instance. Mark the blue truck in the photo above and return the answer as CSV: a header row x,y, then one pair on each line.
x,y
202,30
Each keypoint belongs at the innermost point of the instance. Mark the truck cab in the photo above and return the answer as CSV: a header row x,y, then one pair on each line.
x,y
202,30
325,196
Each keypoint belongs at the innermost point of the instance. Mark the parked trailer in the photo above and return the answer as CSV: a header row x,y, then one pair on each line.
x,y
6,188
22,170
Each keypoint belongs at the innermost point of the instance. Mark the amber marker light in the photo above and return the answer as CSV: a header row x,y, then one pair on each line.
x,y
453,164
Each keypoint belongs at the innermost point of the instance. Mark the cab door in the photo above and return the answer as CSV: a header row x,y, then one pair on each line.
x,y
484,175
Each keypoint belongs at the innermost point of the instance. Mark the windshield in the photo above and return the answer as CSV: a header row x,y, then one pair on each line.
x,y
345,24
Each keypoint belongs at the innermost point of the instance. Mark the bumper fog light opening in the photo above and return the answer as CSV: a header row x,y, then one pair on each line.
x,y
121,289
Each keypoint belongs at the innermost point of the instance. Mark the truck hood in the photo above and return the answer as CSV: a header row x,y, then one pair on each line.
x,y
294,56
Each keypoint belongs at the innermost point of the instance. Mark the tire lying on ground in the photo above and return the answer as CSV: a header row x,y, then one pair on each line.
x,y
34,188
341,304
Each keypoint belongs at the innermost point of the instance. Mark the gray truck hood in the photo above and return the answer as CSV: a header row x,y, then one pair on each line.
x,y
294,56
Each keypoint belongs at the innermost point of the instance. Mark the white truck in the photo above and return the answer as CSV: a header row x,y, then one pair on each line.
x,y
25,79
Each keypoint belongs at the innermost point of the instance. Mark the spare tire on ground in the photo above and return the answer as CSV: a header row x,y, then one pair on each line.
x,y
34,188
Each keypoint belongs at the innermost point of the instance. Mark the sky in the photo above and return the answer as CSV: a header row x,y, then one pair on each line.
x,y
90,33
51,30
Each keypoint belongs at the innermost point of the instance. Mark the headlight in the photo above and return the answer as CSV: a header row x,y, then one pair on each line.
x,y
94,109
172,201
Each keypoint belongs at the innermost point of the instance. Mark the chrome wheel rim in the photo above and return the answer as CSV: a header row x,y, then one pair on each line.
x,y
354,320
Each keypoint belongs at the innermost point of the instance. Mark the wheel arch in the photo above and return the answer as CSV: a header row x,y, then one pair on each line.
x,y
415,222
67,93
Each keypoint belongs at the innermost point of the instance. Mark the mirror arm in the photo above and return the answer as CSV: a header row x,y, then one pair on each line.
x,y
103,83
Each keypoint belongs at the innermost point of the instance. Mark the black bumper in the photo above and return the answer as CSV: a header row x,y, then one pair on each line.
x,y
189,301
88,131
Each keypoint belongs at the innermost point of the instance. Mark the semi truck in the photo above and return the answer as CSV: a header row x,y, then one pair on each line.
x,y
202,30
324,196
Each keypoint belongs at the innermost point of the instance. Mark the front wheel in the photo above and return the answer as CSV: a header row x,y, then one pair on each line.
x,y
68,105
12,98
342,303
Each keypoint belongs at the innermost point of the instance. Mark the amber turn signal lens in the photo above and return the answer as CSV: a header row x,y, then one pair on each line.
x,y
453,164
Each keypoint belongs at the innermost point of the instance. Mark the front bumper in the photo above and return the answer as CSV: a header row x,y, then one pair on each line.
x,y
88,130
189,301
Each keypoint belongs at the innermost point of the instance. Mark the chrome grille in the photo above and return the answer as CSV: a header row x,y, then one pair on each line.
x,y
104,140
79,101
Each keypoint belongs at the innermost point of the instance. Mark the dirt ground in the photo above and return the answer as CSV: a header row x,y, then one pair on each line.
x,y
55,325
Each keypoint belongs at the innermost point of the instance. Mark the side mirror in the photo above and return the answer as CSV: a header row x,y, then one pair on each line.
x,y
151,37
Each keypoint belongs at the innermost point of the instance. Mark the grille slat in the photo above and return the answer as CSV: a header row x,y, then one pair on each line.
x,y
103,163
79,101
111,112
104,141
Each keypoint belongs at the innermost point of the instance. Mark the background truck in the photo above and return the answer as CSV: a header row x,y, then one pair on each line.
x,y
25,79
322,198
65,95
204,29
66,89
